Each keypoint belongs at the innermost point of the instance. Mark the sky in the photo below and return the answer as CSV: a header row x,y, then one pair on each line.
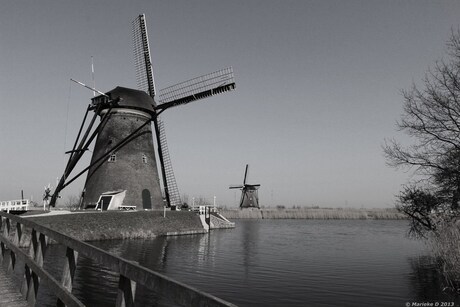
x,y
318,90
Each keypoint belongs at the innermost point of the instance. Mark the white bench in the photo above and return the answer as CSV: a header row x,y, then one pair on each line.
x,y
127,208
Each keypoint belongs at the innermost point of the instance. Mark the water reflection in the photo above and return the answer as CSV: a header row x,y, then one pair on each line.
x,y
151,255
250,239
94,284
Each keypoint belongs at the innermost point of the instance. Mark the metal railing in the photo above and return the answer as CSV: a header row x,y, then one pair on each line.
x,y
14,205
129,273
201,210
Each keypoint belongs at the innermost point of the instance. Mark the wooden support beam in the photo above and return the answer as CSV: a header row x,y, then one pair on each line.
x,y
68,272
18,234
26,281
126,292
70,266
7,228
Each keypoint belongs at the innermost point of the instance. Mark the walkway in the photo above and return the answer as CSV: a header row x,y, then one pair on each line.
x,y
10,294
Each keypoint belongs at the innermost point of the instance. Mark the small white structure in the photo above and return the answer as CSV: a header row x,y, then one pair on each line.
x,y
14,205
113,200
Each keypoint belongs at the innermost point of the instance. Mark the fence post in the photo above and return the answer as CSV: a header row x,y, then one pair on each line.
x,y
12,262
26,281
41,250
126,292
6,228
39,246
18,235
27,278
6,233
68,272
2,245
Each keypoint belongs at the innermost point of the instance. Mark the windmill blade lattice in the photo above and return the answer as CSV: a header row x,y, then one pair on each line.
x,y
173,190
245,174
142,61
197,88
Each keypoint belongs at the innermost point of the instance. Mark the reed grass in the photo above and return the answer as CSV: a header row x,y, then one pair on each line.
x,y
445,245
314,213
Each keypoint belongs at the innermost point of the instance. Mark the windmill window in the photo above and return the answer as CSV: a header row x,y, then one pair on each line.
x,y
144,159
112,158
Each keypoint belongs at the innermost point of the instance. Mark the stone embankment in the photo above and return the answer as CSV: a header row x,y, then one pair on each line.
x,y
218,221
313,213
89,226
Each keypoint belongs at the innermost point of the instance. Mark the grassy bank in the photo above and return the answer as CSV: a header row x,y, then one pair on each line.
x,y
311,213
107,225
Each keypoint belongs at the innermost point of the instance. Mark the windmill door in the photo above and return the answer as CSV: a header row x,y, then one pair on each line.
x,y
105,201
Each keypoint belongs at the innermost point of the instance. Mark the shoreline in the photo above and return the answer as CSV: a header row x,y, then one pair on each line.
x,y
315,213
111,225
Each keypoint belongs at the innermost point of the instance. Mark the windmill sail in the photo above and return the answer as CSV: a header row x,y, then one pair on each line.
x,y
245,174
142,61
145,82
173,191
197,88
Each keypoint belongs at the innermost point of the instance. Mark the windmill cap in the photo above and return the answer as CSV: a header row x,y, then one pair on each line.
x,y
130,99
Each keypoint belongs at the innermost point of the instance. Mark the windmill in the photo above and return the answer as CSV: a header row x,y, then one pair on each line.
x,y
46,195
123,158
249,195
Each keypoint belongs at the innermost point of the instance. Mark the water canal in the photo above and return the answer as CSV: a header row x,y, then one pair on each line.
x,y
279,263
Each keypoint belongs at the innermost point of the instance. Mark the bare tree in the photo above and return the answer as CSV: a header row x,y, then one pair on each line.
x,y
185,200
431,117
202,201
419,204
72,202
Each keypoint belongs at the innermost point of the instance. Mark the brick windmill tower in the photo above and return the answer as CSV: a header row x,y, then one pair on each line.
x,y
124,161
131,170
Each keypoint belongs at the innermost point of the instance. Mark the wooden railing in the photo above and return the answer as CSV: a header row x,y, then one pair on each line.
x,y
129,273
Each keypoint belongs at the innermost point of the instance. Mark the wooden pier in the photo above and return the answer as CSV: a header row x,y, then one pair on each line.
x,y
16,231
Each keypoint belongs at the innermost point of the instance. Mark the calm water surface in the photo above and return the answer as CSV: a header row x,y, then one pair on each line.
x,y
278,263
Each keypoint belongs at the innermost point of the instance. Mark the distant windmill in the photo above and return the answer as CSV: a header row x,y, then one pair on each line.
x,y
249,194
124,155
47,195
